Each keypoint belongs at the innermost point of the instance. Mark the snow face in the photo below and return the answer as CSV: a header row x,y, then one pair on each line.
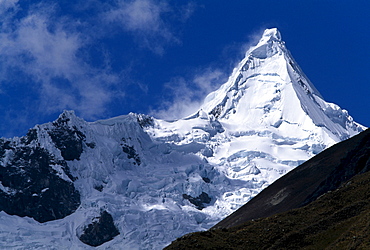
x,y
160,180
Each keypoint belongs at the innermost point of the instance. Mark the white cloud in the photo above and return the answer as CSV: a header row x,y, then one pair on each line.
x,y
187,11
54,52
139,15
145,20
5,5
47,50
187,95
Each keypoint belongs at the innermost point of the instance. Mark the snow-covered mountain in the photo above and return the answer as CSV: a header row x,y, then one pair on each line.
x,y
136,182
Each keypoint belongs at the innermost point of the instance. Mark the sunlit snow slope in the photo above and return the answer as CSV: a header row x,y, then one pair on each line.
x,y
161,179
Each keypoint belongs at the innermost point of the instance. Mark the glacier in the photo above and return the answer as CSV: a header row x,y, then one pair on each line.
x,y
162,179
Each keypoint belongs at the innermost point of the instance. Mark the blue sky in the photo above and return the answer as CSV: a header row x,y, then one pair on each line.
x,y
108,58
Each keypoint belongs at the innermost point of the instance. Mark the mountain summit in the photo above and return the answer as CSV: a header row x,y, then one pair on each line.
x,y
137,182
269,89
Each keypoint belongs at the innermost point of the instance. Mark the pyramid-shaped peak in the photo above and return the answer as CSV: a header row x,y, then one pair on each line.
x,y
269,36
269,90
269,44
272,33
68,118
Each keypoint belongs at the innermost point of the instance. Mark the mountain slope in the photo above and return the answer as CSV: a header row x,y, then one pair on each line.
x,y
269,89
169,177
337,219
324,172
265,120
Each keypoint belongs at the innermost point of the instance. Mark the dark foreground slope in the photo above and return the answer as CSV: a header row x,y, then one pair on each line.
x,y
324,203
324,172
339,219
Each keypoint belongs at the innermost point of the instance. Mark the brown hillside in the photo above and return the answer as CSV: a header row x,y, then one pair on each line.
x,y
324,172
324,203
337,220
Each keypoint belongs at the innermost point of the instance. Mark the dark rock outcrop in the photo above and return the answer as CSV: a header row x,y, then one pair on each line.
x,y
144,120
68,139
100,231
130,151
31,184
198,201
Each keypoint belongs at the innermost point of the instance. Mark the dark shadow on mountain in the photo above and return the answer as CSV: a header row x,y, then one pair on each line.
x,y
324,203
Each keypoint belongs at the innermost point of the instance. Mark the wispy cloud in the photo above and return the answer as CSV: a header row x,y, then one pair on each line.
x,y
53,52
5,5
186,96
139,15
48,51
147,20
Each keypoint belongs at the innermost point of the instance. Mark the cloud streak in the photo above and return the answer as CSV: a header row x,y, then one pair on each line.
x,y
148,21
139,15
186,95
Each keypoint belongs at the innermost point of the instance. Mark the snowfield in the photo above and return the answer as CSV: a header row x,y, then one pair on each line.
x,y
162,179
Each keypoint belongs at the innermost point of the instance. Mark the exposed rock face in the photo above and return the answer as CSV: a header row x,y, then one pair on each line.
x,y
68,140
130,151
30,182
144,120
100,231
198,201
